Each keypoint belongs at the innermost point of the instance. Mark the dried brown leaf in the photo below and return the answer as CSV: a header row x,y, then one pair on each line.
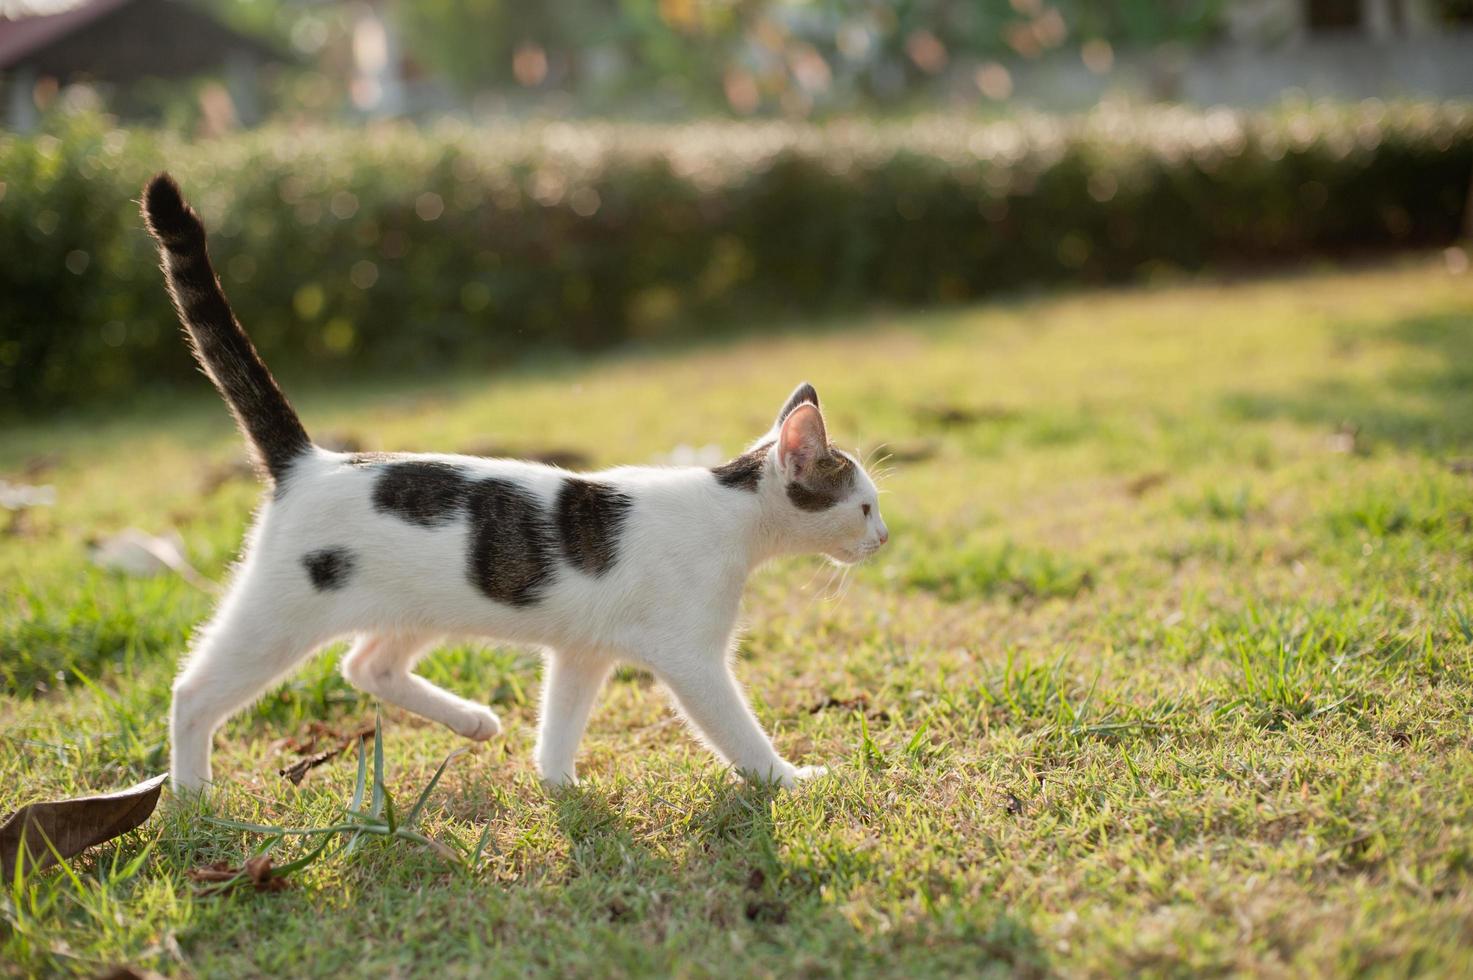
x,y
221,877
72,826
298,770
860,702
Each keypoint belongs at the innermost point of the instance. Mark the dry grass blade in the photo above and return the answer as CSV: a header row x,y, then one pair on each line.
x,y
380,820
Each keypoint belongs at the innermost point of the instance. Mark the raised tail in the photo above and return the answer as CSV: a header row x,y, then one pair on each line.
x,y
222,348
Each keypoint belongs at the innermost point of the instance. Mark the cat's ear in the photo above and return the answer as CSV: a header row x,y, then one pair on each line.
x,y
801,441
803,394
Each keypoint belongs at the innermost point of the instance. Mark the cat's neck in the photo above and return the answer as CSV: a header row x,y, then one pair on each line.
x,y
740,529
770,533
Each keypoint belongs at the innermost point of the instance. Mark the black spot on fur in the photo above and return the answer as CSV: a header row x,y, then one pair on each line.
x,y
829,481
805,499
590,517
744,472
805,392
329,568
512,548
424,492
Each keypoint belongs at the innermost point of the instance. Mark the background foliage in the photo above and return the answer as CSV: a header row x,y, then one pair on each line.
x,y
400,249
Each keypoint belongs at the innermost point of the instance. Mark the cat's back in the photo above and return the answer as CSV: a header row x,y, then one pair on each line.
x,y
422,532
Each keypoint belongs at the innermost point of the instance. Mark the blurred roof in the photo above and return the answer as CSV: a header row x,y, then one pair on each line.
x,y
124,39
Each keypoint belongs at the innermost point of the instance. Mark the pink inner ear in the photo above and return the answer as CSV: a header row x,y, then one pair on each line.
x,y
803,438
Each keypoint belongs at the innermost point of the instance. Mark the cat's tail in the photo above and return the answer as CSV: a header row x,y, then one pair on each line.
x,y
220,345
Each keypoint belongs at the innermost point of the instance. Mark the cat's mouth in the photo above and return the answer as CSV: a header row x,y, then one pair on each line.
x,y
853,556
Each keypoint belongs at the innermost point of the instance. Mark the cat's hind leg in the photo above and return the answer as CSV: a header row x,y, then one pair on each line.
x,y
382,664
571,683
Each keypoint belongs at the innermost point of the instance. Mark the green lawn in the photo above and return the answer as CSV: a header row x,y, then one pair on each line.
x,y
1168,667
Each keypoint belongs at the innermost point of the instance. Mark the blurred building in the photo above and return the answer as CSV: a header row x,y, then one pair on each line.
x,y
1342,49
1259,51
113,44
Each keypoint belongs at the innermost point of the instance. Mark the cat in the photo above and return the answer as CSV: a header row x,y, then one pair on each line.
x,y
639,565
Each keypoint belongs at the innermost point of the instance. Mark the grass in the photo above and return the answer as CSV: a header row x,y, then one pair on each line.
x,y
1168,669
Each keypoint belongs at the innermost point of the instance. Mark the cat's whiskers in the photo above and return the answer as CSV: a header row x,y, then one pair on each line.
x,y
809,584
832,594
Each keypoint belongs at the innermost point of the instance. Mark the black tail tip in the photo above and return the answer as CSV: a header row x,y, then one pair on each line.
x,y
169,219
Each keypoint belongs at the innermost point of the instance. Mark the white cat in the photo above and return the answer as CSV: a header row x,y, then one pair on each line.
x,y
638,564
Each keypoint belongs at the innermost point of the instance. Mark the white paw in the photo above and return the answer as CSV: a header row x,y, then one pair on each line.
x,y
479,724
799,774
188,795
555,780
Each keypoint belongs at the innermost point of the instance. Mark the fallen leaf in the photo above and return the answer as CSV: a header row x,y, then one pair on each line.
x,y
140,554
72,826
221,876
860,702
19,496
298,770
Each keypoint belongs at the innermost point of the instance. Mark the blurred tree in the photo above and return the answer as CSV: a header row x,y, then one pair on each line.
x,y
751,55
476,43
791,57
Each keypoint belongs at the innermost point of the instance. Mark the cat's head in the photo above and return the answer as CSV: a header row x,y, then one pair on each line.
x,y
820,495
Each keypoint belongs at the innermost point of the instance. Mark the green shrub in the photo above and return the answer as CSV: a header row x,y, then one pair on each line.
x,y
397,248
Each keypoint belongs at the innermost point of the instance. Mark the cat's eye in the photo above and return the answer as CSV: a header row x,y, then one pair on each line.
x,y
865,509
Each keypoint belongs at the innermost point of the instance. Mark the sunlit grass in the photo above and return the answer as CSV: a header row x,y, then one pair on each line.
x,y
1167,668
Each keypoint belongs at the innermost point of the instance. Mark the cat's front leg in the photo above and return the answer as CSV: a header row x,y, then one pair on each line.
x,y
710,698
571,682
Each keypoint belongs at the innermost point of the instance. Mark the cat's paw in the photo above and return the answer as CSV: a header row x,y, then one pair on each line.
x,y
800,774
556,781
480,724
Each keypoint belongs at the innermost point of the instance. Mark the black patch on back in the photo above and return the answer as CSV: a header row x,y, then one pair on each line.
x,y
512,548
590,518
329,568
424,492
829,482
744,472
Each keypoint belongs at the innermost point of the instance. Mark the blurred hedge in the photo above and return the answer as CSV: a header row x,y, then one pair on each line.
x,y
398,248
